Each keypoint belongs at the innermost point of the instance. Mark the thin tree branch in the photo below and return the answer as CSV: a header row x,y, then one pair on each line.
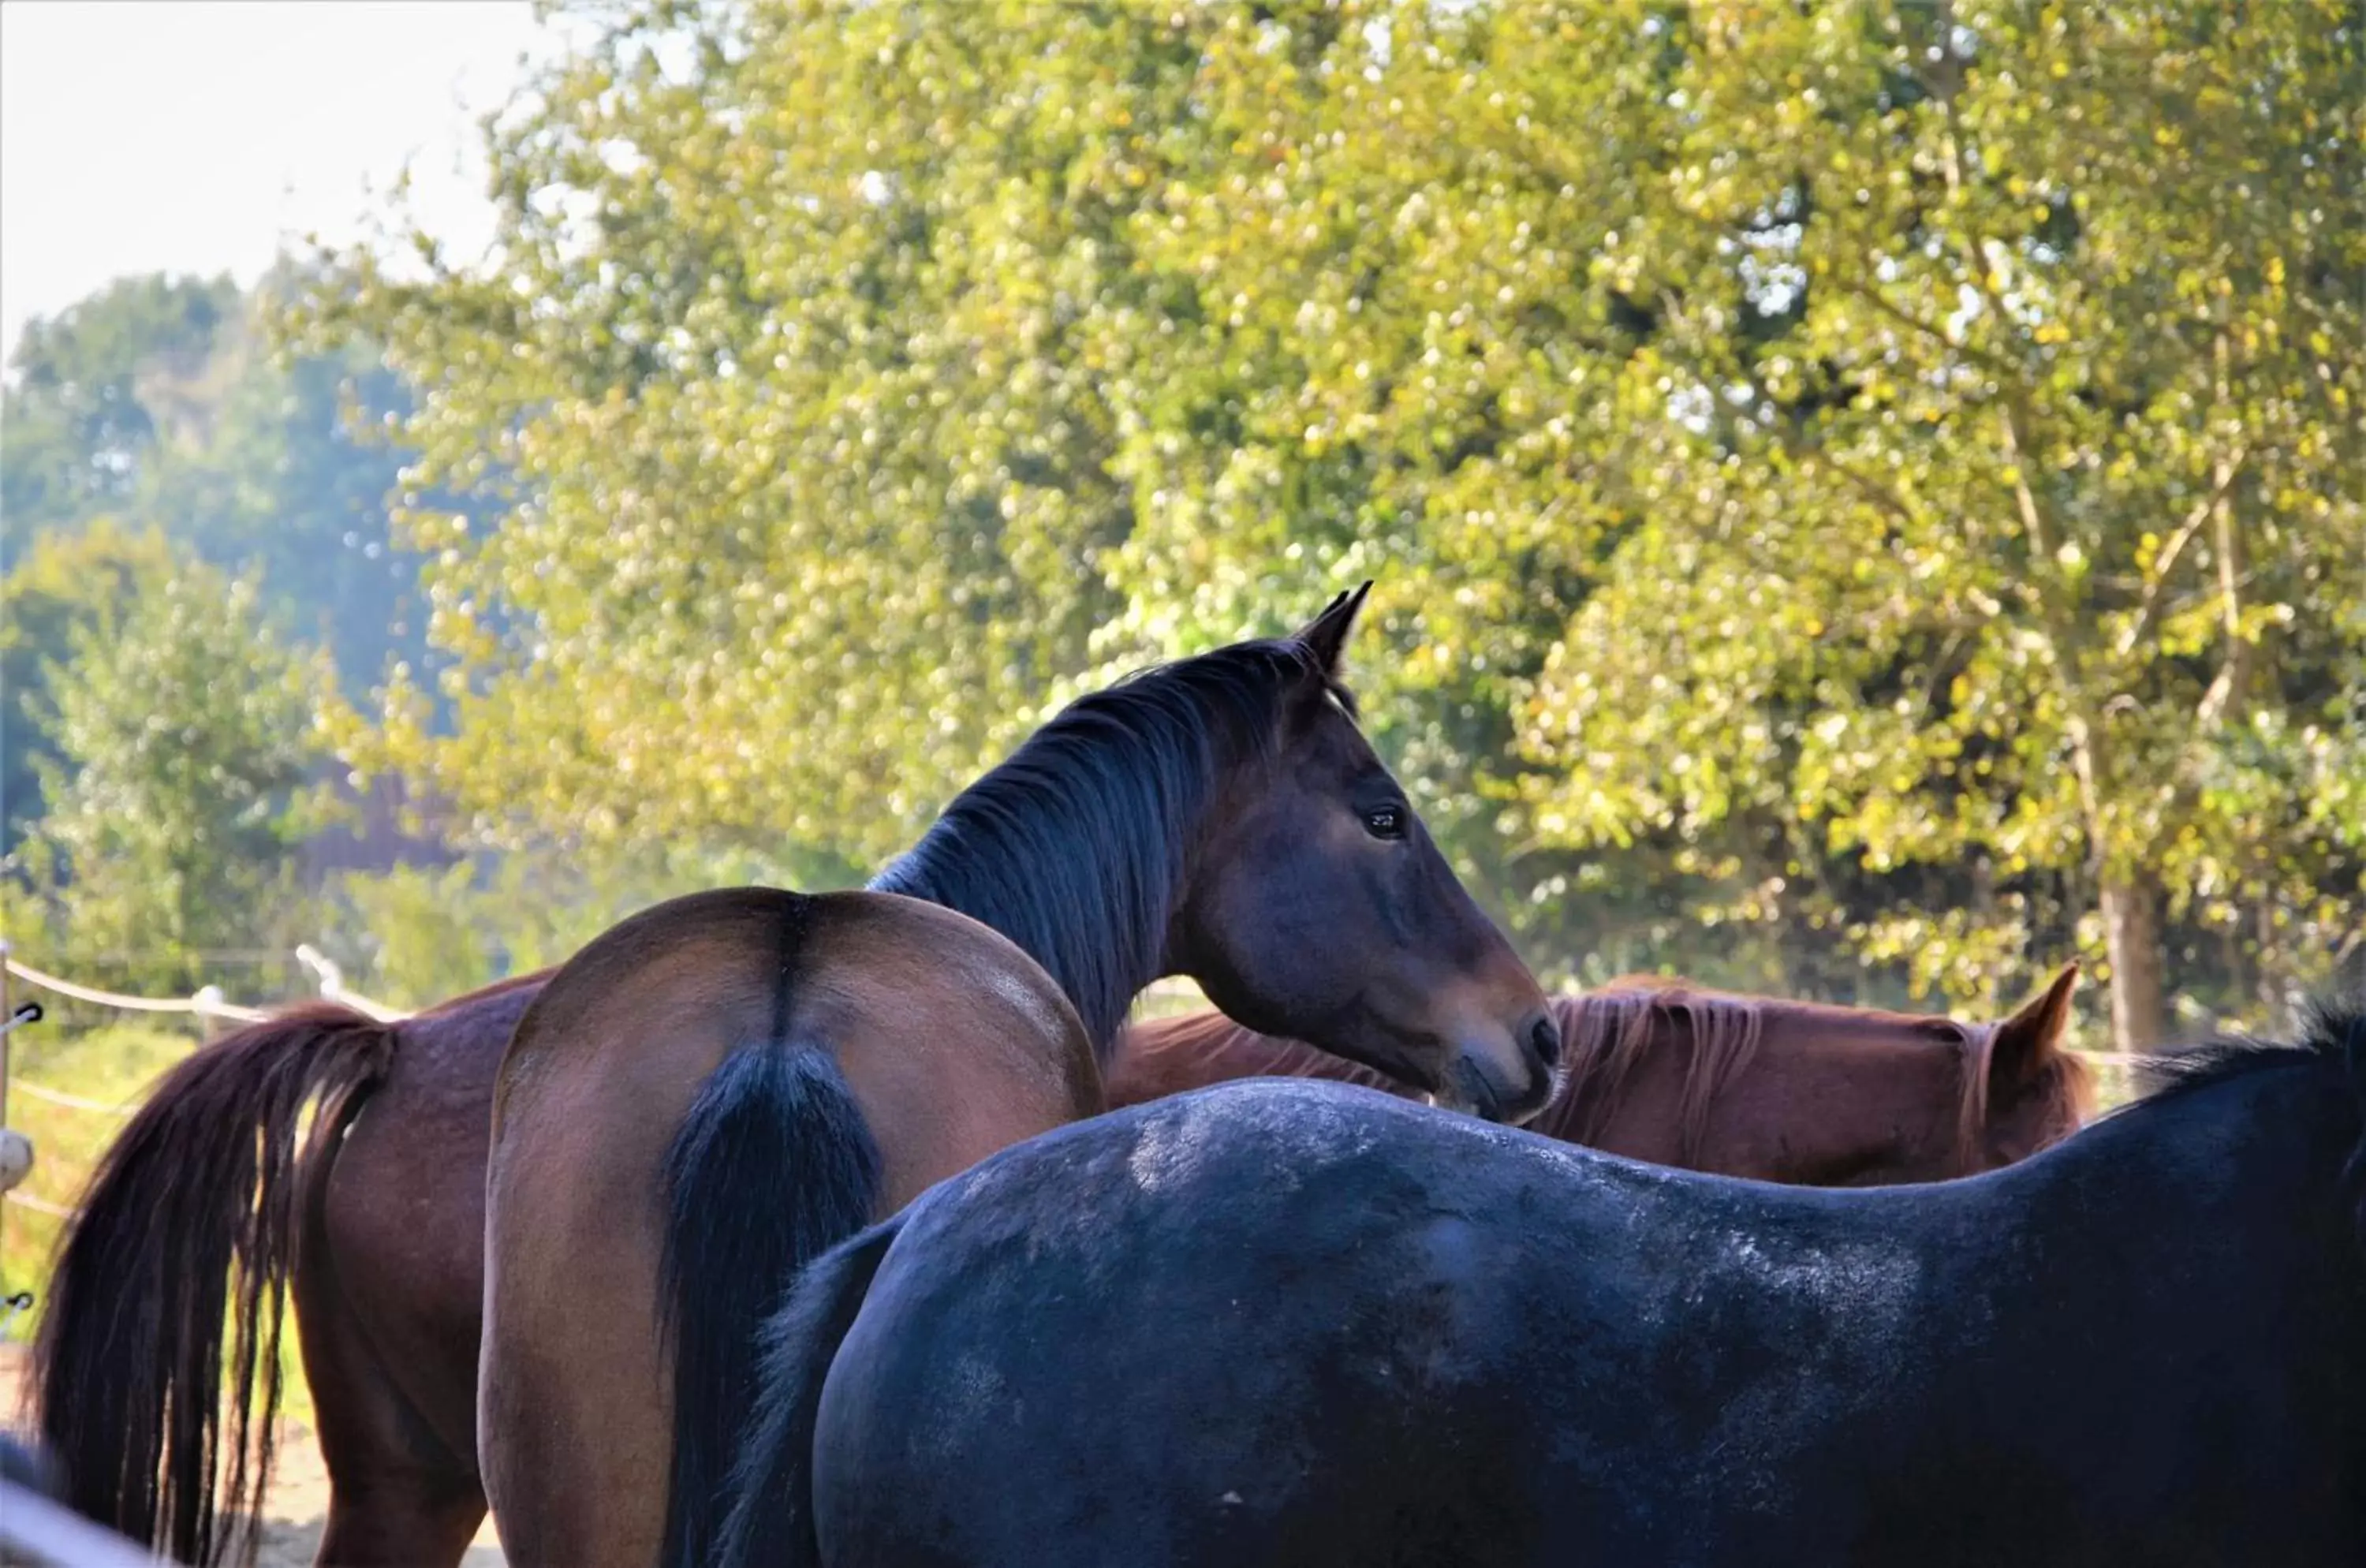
x,y
2032,523
2226,470
2003,370
2234,675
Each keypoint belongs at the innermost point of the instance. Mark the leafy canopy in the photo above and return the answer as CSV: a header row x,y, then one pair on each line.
x,y
1877,474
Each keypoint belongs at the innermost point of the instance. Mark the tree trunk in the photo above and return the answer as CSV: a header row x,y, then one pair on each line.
x,y
2132,935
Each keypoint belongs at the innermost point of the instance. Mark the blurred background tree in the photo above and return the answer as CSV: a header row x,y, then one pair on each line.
x,y
174,796
1865,496
84,580
158,404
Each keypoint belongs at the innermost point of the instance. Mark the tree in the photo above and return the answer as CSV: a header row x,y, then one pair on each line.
x,y
183,740
160,402
65,583
1844,478
2020,527
785,360
294,482
91,390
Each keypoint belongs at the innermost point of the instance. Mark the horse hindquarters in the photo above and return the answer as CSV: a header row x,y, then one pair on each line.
x,y
671,1140
621,1322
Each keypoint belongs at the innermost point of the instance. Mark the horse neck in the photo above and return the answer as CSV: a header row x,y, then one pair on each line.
x,y
1101,952
1610,1037
1080,853
1922,1079
2285,1106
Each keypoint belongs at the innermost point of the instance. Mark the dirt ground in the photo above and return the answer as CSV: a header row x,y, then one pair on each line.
x,y
299,1501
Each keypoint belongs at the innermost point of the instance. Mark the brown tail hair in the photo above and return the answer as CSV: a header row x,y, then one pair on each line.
x,y
188,1237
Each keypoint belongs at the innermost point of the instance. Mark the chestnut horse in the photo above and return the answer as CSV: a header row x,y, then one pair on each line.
x,y
1777,1091
1220,816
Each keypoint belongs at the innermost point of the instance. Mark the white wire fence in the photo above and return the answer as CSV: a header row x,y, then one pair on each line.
x,y
208,1001
207,1004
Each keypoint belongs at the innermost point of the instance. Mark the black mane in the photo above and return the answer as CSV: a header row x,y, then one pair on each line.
x,y
2335,1034
1074,847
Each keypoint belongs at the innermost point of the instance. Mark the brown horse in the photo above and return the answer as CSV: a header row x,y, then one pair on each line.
x,y
1220,816
210,1208
1738,1086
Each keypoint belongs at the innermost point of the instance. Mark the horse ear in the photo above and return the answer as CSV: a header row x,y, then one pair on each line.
x,y
2031,1038
1326,633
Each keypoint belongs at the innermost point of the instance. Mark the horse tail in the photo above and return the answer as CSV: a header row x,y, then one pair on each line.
x,y
187,1235
771,1523
773,1164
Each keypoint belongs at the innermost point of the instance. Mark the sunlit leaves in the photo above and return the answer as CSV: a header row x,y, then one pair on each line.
x,y
2038,454
1826,466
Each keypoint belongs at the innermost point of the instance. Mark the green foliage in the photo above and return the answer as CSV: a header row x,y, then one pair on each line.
x,y
284,487
812,445
149,428
2001,514
423,939
158,402
1854,483
66,583
414,935
183,737
97,387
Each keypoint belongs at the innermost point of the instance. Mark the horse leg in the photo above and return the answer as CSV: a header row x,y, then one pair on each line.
x,y
400,1520
399,1496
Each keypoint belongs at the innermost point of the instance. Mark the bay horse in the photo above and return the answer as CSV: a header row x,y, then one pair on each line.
x,y
1278,1322
708,1094
1776,1090
1118,844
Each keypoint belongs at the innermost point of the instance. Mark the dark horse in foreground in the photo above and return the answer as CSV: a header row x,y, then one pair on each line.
x,y
1285,1323
1220,816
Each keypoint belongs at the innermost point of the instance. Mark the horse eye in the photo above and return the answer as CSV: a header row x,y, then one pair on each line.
x,y
1385,822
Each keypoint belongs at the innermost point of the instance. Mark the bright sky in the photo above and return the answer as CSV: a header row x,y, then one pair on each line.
x,y
195,135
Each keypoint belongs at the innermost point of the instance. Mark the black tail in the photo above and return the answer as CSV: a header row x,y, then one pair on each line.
x,y
773,1164
188,1231
769,1523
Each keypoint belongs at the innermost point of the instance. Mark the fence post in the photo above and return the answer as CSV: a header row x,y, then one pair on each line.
x,y
8,1045
207,1005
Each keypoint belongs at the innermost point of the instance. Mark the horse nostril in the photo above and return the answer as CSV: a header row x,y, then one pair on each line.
x,y
1545,1039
